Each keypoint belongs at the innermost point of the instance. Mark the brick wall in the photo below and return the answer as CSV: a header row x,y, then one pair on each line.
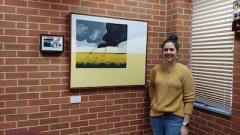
x,y
34,87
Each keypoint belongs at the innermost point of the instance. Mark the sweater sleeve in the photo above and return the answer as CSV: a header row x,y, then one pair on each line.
x,y
188,92
151,83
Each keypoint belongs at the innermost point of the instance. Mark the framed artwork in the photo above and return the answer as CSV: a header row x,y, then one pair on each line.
x,y
51,43
107,52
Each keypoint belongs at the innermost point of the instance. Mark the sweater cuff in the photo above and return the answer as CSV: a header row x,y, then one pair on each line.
x,y
188,107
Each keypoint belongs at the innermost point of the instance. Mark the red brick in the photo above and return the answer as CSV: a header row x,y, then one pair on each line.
x,y
59,7
41,5
49,121
128,129
7,9
105,114
129,95
7,24
38,19
16,61
39,75
40,129
16,3
105,103
59,21
69,119
89,4
153,1
59,113
70,131
27,40
49,27
88,129
97,97
28,54
14,17
16,117
16,89
27,11
113,131
8,39
8,53
8,83
79,111
29,82
38,102
145,5
59,126
7,111
50,81
98,11
97,121
122,112
97,109
15,47
27,123
8,125
50,94
105,126
113,107
130,15
28,109
38,61
118,2
16,75
106,6
58,87
16,103
121,124
28,26
113,119
115,13
59,100
222,122
52,133
127,9
79,123
38,88
27,68
130,3
71,2
88,116
49,13
40,115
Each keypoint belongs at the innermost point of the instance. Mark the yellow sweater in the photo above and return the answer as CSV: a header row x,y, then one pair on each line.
x,y
171,90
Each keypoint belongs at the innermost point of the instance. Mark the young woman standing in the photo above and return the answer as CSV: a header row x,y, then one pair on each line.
x,y
172,93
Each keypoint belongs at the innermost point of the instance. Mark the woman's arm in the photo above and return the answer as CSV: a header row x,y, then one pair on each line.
x,y
184,129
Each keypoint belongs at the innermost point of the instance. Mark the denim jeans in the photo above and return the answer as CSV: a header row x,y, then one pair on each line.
x,y
167,124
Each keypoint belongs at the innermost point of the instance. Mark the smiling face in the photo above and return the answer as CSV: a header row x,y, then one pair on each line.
x,y
169,53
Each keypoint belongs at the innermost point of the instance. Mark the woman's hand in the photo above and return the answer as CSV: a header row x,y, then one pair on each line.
x,y
183,130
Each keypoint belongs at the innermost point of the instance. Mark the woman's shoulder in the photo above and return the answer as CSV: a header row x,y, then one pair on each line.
x,y
183,67
157,67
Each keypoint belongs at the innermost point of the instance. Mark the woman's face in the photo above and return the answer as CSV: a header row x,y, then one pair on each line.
x,y
169,53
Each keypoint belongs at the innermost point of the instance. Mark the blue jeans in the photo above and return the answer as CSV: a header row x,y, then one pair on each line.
x,y
167,124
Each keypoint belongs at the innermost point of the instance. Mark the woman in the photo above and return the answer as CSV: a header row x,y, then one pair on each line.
x,y
171,89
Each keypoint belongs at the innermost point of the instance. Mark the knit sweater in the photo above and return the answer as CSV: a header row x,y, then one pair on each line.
x,y
171,90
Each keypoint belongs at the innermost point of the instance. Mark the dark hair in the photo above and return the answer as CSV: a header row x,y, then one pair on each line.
x,y
174,40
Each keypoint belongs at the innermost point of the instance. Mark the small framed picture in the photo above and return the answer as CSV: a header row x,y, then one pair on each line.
x,y
51,43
